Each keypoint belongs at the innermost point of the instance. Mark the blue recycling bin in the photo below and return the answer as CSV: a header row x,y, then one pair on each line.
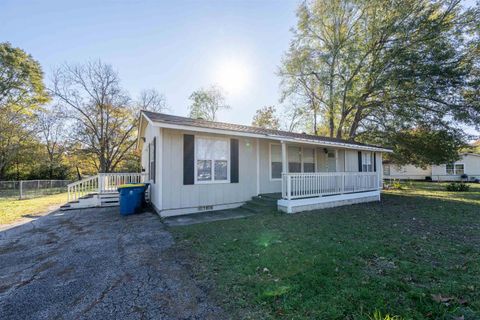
x,y
132,198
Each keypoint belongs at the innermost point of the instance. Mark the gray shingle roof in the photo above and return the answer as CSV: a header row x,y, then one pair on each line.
x,y
200,123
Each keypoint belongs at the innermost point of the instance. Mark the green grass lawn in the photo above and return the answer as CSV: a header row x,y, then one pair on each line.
x,y
12,210
415,255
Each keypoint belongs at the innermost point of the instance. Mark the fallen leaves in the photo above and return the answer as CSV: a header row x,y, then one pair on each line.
x,y
447,300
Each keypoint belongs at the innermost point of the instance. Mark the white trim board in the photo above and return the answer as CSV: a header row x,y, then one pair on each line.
x,y
290,205
265,136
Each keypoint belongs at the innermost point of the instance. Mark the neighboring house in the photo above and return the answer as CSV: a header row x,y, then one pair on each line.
x,y
406,172
196,165
468,164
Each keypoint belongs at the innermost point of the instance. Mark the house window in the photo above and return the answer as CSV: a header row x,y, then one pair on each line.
x,y
367,162
300,159
450,168
308,160
276,161
459,169
294,159
455,169
212,159
151,161
386,170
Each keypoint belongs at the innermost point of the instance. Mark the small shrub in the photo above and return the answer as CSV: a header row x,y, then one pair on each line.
x,y
397,185
458,187
377,315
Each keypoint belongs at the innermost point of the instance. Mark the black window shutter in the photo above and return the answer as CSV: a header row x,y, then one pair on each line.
x,y
188,159
149,164
359,161
374,162
234,161
154,171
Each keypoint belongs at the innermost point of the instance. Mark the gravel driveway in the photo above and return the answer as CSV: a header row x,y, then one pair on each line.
x,y
95,264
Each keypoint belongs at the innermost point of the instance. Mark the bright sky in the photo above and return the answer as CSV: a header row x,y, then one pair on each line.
x,y
175,47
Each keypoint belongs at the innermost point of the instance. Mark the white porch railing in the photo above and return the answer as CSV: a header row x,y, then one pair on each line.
x,y
318,184
102,182
108,182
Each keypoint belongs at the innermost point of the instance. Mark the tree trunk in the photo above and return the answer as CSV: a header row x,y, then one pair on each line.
x,y
356,121
78,173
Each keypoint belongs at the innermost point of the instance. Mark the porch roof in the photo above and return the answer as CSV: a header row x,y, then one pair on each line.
x,y
176,122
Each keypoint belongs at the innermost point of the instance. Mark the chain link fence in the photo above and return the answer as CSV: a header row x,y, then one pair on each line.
x,y
25,189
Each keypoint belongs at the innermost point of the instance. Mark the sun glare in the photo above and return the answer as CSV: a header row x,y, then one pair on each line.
x,y
232,76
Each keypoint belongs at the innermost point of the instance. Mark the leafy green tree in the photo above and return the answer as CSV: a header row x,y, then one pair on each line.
x,y
376,67
21,93
266,117
206,103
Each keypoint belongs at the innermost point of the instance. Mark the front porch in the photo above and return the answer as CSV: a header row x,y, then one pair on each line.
x,y
311,191
315,177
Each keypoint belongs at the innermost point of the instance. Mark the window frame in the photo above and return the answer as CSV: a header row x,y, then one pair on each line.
x,y
454,168
195,169
300,149
270,161
151,160
369,166
314,159
315,167
386,170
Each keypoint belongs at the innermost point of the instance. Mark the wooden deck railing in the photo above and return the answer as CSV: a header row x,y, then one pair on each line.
x,y
318,184
102,182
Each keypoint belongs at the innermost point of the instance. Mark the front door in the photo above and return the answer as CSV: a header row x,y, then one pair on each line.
x,y
331,161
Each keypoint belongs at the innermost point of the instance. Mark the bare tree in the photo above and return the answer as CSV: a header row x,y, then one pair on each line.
x,y
104,118
51,129
152,100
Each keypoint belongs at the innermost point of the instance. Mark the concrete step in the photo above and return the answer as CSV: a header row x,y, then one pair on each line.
x,y
258,208
110,204
263,203
270,196
254,209
264,199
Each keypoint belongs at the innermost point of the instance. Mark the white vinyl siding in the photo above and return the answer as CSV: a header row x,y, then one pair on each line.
x,y
177,196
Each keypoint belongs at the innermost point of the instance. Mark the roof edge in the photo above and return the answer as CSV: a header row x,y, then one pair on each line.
x,y
279,136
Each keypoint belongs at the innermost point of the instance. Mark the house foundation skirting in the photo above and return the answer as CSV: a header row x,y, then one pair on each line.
x,y
189,210
308,204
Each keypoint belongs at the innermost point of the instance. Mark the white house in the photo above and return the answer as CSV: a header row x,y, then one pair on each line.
x,y
468,164
195,165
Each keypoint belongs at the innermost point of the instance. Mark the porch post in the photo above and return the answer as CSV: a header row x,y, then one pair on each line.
x,y
285,179
284,158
